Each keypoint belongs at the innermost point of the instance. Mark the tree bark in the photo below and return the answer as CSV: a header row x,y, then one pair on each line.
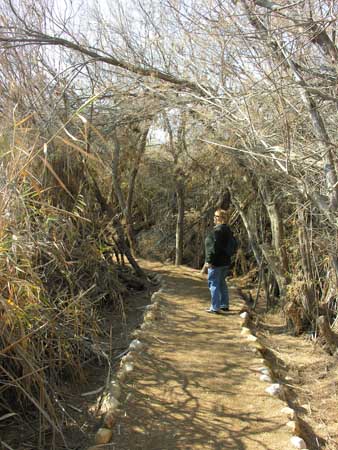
x,y
262,252
180,220
276,223
34,37
140,149
252,235
275,267
309,292
124,247
124,206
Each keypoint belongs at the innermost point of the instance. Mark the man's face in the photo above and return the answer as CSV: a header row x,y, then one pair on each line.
x,y
216,218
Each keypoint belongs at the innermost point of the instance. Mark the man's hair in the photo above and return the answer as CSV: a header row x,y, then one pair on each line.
x,y
223,215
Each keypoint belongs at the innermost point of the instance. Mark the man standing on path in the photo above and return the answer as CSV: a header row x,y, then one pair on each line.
x,y
219,246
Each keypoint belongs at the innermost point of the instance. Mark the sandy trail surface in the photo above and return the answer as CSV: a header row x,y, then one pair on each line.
x,y
196,385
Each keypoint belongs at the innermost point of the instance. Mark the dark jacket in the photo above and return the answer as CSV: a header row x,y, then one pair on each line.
x,y
215,244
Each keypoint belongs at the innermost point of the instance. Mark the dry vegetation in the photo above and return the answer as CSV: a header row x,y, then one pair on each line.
x,y
244,94
57,271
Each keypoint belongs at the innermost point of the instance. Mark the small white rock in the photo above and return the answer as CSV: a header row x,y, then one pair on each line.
x,y
266,378
121,375
136,345
251,338
288,411
109,404
115,389
245,331
264,371
149,316
298,442
244,315
292,425
128,367
274,389
255,350
153,306
113,402
103,436
258,345
125,359
154,297
307,407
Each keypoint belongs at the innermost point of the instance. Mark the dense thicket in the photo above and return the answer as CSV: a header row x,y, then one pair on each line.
x,y
124,125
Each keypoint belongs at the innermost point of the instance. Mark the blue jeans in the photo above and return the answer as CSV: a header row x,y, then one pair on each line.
x,y
218,287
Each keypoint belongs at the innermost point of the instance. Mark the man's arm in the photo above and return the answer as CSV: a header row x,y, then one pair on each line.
x,y
210,249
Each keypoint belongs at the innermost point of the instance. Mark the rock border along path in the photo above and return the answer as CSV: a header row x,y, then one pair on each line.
x,y
195,381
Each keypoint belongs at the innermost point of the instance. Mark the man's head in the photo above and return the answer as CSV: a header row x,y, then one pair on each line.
x,y
220,216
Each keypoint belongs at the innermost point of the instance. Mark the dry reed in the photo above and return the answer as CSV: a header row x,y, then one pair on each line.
x,y
54,272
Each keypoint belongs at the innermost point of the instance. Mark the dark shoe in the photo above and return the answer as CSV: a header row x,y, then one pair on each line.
x,y
211,311
224,308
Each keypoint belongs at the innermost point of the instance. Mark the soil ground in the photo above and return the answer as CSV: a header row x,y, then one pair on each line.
x,y
196,384
306,370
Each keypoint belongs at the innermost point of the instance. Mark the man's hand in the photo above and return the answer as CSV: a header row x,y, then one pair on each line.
x,y
204,269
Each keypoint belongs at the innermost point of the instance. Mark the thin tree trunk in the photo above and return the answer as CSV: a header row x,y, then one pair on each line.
x,y
140,148
252,235
262,252
125,249
260,278
277,228
115,174
275,267
119,194
107,209
180,221
309,293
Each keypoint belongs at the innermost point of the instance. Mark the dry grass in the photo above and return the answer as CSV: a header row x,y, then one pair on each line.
x,y
54,273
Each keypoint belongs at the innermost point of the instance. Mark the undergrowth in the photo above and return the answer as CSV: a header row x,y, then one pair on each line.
x,y
56,269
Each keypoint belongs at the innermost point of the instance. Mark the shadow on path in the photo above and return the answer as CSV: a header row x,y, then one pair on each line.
x,y
195,386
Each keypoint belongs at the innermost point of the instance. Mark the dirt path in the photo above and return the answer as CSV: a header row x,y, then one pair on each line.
x,y
196,385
